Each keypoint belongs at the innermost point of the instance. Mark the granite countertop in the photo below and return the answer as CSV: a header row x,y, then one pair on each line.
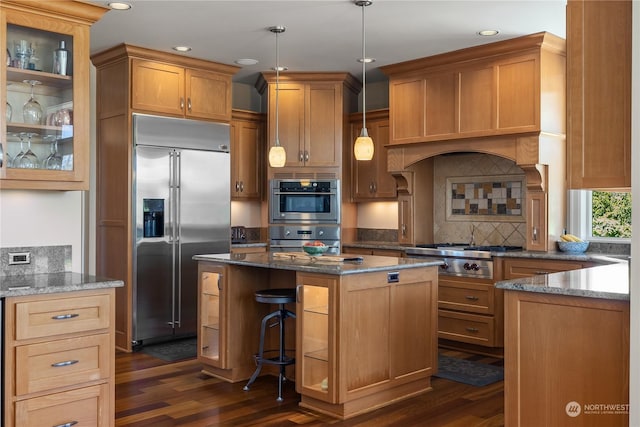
x,y
47,283
249,245
603,281
394,246
369,263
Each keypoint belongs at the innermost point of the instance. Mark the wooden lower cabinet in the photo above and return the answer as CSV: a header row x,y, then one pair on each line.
x,y
470,311
515,268
59,359
249,250
566,361
380,252
366,340
229,319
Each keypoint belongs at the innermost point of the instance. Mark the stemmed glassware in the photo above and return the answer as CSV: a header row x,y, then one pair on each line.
x,y
32,111
28,160
54,161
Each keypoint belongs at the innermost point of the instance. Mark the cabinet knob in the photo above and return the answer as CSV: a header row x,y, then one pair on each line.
x,y
242,186
237,186
306,156
301,156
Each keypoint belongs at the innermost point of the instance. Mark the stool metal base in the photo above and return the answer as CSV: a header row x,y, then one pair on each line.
x,y
281,359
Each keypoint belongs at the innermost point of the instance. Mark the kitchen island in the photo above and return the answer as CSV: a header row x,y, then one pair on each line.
x,y
566,348
365,330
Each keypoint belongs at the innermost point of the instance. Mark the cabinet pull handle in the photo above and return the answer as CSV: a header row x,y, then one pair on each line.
x,y
65,363
65,316
237,186
301,156
404,229
69,424
219,282
298,293
181,103
189,104
540,272
535,234
242,186
306,156
472,297
474,330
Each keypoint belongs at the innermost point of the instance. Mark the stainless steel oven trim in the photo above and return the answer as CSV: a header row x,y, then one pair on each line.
x,y
332,217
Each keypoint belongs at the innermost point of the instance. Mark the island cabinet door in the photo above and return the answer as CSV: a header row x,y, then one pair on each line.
x,y
212,349
316,374
387,330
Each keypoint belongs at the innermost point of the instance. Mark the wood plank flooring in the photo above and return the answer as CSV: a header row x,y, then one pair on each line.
x,y
151,392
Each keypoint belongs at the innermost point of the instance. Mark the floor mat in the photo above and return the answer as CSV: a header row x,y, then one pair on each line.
x,y
468,372
173,351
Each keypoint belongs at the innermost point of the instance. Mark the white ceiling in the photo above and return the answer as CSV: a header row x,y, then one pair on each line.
x,y
321,35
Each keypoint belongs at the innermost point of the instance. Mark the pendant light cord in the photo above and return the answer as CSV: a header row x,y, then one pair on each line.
x,y
364,78
277,90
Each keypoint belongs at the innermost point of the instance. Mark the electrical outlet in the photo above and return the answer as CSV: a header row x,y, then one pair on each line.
x,y
16,258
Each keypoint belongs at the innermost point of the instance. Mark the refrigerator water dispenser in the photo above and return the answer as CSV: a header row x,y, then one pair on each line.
x,y
153,217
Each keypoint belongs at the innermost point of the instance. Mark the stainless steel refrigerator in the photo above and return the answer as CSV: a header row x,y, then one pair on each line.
x,y
182,208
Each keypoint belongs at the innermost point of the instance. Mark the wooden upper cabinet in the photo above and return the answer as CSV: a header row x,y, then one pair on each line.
x,y
247,140
157,87
599,94
312,112
488,90
64,126
371,181
167,89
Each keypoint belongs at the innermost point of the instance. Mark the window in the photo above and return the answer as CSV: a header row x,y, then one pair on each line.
x,y
600,215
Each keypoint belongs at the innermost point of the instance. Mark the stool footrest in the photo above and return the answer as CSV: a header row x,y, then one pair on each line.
x,y
275,360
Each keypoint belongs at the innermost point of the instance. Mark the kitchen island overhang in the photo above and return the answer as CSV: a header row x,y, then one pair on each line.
x,y
365,332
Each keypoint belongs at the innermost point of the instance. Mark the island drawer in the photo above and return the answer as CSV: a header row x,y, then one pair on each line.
x,y
465,327
466,296
60,363
82,407
47,318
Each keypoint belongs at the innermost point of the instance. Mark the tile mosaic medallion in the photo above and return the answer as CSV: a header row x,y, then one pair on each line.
x,y
485,198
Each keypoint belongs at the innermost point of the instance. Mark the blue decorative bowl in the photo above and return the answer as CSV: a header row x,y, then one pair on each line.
x,y
573,247
315,250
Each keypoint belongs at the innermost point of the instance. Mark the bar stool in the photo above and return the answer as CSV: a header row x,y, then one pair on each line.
x,y
280,297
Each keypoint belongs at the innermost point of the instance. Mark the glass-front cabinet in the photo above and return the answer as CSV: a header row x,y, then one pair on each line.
x,y
44,127
211,315
315,374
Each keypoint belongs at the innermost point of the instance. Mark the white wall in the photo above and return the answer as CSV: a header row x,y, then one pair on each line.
x,y
634,398
42,218
380,215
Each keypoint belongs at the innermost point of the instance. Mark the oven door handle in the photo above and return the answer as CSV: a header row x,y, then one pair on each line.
x,y
294,193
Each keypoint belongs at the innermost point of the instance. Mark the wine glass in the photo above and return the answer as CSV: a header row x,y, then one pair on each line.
x,y
16,159
54,160
32,111
29,160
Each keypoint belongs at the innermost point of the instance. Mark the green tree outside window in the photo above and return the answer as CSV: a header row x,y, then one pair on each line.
x,y
611,214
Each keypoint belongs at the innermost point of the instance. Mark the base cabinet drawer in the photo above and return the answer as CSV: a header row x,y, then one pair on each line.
x,y
84,407
464,327
466,297
54,364
47,318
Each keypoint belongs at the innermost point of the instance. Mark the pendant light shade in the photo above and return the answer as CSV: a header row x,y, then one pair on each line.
x,y
363,146
277,154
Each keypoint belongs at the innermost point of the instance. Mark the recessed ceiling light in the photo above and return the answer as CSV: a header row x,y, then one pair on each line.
x,y
181,48
488,32
246,61
366,60
119,5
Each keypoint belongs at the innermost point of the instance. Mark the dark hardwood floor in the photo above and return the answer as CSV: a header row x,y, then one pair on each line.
x,y
151,392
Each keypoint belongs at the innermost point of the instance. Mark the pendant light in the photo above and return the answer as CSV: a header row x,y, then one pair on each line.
x,y
277,155
363,146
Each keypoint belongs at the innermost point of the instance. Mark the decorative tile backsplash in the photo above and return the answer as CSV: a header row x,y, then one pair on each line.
x,y
42,259
488,198
476,171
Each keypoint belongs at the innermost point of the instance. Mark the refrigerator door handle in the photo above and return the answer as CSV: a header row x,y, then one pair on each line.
x,y
171,221
178,235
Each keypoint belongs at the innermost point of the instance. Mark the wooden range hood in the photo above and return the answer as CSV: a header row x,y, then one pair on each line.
x,y
506,99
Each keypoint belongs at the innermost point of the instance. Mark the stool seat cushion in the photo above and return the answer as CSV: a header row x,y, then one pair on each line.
x,y
276,296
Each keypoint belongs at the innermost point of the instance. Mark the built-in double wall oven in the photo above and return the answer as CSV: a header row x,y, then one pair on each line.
x,y
304,210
